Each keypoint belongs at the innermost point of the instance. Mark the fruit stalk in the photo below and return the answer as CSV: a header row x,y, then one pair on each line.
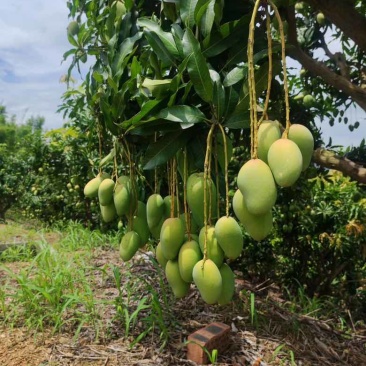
x,y
207,173
226,172
284,68
270,67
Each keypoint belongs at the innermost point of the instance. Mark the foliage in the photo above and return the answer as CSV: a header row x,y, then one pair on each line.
x,y
162,73
14,159
318,241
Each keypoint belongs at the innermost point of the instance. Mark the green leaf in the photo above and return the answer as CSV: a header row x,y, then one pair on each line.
x,y
165,148
228,35
240,118
235,75
219,100
184,114
158,46
165,37
125,49
147,108
197,67
208,19
187,8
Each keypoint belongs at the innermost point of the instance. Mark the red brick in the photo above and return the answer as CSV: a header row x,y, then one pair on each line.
x,y
213,336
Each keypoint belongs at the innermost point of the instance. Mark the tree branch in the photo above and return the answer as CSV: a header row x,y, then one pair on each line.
x,y
344,15
317,68
328,159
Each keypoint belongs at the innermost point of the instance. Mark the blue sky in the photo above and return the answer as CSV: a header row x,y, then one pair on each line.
x,y
33,40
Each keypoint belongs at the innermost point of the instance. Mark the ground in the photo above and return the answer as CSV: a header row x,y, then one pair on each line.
x,y
266,329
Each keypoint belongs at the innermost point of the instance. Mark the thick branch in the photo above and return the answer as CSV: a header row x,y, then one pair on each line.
x,y
328,159
317,68
344,15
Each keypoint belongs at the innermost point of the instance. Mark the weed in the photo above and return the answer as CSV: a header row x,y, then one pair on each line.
x,y
143,301
76,236
52,290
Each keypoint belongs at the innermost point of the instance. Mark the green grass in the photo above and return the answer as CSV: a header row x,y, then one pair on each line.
x,y
142,299
55,289
52,291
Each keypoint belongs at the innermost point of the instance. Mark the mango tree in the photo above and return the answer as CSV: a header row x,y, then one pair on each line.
x,y
175,87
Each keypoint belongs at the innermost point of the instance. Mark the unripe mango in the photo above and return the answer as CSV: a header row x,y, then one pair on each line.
x,y
229,236
192,224
180,288
168,206
228,285
108,212
208,280
122,195
257,226
139,224
91,188
214,251
155,231
195,197
303,138
129,245
141,210
105,192
160,256
285,161
268,133
256,183
189,255
171,237
155,207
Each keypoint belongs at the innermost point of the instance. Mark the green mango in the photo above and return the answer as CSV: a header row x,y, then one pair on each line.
x,y
160,256
268,133
108,212
171,237
180,288
130,243
189,255
257,226
285,161
214,251
229,236
91,188
156,230
105,192
208,280
228,285
256,183
122,195
155,208
193,225
168,206
195,197
303,138
139,224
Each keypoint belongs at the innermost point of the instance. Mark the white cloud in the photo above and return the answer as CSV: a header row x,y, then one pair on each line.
x,y
31,48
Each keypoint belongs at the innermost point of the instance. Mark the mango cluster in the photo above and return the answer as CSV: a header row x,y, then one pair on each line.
x,y
182,254
280,161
